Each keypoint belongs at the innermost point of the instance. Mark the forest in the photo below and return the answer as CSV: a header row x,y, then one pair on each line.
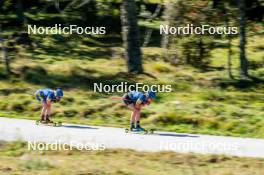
x,y
216,79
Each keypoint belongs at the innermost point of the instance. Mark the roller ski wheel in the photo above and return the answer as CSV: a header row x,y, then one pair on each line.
x,y
55,124
151,131
51,123
37,122
59,123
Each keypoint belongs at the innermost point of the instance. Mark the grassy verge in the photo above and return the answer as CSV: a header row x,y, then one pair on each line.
x,y
16,159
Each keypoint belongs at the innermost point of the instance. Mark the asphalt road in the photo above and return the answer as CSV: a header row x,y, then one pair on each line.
x,y
94,137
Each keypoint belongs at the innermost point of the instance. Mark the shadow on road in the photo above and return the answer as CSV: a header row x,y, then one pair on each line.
x,y
175,135
78,127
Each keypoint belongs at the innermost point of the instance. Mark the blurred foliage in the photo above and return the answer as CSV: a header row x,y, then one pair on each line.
x,y
204,99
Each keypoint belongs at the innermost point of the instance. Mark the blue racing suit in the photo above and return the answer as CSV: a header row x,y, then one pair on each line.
x,y
45,95
135,98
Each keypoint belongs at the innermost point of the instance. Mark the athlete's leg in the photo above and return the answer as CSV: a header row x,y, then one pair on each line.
x,y
48,111
133,115
43,102
137,118
43,111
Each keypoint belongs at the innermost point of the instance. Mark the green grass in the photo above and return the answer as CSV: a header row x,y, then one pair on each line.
x,y
15,158
201,102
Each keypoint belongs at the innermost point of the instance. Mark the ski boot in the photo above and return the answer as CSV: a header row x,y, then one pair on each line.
x,y
139,129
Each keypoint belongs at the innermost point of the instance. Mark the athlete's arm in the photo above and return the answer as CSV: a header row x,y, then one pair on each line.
x,y
49,100
138,104
39,95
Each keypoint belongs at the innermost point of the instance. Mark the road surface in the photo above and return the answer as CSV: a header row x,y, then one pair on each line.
x,y
100,137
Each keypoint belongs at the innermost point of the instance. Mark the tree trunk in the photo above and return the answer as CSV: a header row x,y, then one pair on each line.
x,y
242,35
20,12
150,30
5,57
201,50
130,35
229,45
229,60
167,17
147,37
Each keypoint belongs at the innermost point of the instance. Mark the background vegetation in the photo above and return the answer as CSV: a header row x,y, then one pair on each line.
x,y
212,93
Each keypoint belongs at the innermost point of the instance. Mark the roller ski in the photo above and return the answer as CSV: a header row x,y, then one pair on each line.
x,y
139,130
48,123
